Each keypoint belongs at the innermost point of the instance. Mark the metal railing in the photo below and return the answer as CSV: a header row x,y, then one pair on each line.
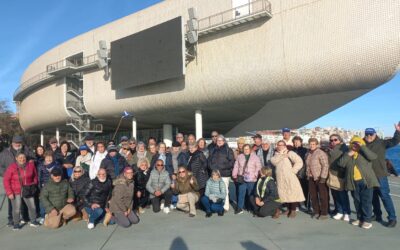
x,y
251,8
82,127
78,107
76,62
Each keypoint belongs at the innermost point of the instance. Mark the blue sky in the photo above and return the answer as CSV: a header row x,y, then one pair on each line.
x,y
30,28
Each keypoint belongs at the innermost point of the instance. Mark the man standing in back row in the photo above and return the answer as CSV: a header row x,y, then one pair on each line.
x,y
379,146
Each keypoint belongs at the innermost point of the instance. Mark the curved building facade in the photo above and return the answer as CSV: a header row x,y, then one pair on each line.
x,y
259,65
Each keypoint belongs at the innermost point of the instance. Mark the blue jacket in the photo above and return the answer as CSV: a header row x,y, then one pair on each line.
x,y
44,172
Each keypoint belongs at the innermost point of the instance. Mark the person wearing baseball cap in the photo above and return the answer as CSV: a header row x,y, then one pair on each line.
x,y
257,143
53,142
379,146
287,137
89,142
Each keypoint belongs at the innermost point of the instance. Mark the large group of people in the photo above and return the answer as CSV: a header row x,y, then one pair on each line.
x,y
112,183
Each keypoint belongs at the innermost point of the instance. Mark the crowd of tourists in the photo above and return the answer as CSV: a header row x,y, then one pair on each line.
x,y
113,183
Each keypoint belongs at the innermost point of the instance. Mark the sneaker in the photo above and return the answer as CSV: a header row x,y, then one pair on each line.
x,y
141,210
239,211
34,224
172,207
22,222
162,205
16,228
40,221
90,225
391,223
166,210
366,225
338,216
208,215
346,217
356,223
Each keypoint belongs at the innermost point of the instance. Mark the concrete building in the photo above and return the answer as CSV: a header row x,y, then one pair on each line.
x,y
259,65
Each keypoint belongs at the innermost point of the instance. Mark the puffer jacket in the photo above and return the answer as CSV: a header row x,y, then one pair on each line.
x,y
250,173
379,146
45,170
215,189
98,192
113,171
158,181
222,159
122,195
364,164
79,187
55,195
141,179
11,180
198,166
317,166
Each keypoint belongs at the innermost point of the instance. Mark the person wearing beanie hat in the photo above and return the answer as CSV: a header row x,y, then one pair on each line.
x,y
379,146
114,163
360,179
84,159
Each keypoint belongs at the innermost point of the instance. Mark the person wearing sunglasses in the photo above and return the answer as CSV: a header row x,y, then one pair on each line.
x,y
336,178
360,179
79,181
379,146
213,144
159,188
186,187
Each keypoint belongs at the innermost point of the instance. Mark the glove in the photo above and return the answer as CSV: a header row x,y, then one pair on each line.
x,y
322,180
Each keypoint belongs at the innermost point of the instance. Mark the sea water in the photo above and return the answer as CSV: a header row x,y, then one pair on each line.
x,y
393,154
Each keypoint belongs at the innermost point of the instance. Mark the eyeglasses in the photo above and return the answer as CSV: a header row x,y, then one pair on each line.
x,y
77,171
332,140
101,174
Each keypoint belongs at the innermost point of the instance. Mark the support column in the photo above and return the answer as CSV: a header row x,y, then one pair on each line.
x,y
199,124
134,128
41,138
167,134
58,136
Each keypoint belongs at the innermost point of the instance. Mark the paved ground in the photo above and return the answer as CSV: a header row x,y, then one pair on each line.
x,y
177,231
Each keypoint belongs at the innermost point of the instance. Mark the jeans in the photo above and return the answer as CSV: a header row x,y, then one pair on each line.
x,y
16,206
384,193
212,207
244,190
342,201
362,196
232,194
95,214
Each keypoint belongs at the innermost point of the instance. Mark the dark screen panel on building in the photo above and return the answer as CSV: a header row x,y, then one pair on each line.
x,y
151,55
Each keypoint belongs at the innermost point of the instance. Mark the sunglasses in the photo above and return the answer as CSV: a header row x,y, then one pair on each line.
x,y
369,134
160,165
78,171
332,140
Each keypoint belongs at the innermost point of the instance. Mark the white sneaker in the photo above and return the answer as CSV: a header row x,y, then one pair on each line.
x,y
172,207
22,222
346,217
162,205
40,221
366,225
338,216
90,226
166,210
356,223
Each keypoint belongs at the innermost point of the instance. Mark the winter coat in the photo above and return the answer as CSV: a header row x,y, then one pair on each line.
x,y
122,195
112,170
198,166
84,161
222,159
141,179
250,173
167,164
266,189
69,158
183,158
96,163
12,182
7,157
215,189
79,187
44,172
364,164
260,154
98,192
211,148
183,185
379,146
317,165
287,164
55,195
158,181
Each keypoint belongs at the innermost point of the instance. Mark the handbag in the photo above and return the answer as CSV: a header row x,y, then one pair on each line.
x,y
240,177
27,191
334,182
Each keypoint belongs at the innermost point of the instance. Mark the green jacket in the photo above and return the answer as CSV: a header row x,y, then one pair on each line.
x,y
334,156
379,146
55,195
364,164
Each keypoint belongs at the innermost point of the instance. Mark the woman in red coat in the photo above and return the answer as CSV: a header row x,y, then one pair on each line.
x,y
21,172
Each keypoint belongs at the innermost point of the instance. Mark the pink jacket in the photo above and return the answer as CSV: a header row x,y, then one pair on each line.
x,y
252,170
11,179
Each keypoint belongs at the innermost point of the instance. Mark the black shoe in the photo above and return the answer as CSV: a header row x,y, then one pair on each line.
x,y
239,211
10,224
208,215
221,213
391,223
16,227
34,224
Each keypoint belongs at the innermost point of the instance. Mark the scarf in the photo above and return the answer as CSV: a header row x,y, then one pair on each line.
x,y
95,165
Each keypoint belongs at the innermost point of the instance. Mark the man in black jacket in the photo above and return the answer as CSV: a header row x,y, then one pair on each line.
x,y
222,159
379,146
114,163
